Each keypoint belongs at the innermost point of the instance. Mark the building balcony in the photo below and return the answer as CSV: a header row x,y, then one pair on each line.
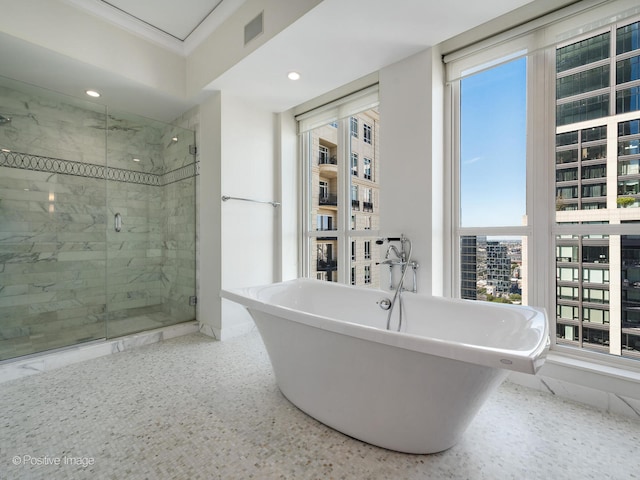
x,y
367,206
327,265
626,284
328,167
331,200
355,204
566,260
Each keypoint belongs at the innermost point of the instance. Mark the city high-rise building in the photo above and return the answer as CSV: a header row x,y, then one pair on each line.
x,y
468,268
498,268
597,174
362,208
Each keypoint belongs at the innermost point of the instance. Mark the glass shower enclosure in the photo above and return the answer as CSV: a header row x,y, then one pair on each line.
x,y
97,222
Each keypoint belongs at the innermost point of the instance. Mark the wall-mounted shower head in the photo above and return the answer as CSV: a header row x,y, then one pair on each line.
x,y
4,120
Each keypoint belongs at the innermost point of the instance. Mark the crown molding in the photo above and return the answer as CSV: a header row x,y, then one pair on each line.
x,y
127,22
117,17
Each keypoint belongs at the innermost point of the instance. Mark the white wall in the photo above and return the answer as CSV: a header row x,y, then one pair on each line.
x,y
237,238
411,149
209,213
287,184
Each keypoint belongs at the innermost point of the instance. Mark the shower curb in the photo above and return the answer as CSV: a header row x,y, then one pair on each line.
x,y
24,366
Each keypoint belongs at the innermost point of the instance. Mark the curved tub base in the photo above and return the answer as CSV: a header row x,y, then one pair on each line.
x,y
396,399
413,391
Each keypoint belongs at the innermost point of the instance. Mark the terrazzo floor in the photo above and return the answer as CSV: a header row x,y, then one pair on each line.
x,y
193,408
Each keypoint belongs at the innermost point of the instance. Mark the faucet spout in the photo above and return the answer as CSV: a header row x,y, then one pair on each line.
x,y
393,249
390,261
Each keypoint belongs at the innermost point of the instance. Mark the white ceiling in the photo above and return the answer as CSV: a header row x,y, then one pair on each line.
x,y
334,43
340,41
177,18
178,25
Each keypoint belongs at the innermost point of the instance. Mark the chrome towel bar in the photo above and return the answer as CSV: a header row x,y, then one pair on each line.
x,y
226,197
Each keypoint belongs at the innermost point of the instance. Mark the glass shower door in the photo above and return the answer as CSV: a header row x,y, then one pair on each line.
x,y
151,230
52,220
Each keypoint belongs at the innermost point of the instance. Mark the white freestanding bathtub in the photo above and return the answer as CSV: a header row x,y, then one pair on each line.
x,y
414,391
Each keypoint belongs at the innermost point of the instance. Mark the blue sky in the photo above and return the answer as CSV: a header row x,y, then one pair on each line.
x,y
493,146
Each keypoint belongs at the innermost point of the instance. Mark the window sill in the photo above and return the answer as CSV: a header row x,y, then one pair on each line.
x,y
605,385
589,373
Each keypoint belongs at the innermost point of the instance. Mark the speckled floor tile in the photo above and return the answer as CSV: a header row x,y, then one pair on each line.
x,y
193,408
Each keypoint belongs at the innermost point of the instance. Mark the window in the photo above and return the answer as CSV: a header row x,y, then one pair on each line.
x,y
323,154
593,295
326,259
323,189
340,222
598,145
325,222
366,133
492,170
567,293
514,170
367,202
354,127
492,183
355,202
367,168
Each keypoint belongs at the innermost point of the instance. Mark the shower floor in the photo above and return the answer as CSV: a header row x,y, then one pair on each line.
x,y
120,323
136,320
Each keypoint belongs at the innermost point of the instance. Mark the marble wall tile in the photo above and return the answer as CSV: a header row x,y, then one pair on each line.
x,y
43,125
58,268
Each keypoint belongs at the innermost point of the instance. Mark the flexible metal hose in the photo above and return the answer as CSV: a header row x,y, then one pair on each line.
x,y
398,294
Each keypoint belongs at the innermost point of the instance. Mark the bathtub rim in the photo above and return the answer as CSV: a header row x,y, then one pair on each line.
x,y
525,361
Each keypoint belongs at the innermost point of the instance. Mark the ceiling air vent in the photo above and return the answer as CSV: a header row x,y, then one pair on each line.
x,y
253,29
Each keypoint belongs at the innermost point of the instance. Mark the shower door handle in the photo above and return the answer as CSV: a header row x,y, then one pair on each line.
x,y
117,222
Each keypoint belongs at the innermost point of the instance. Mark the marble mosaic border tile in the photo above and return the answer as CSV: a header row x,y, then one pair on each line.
x,y
181,173
39,163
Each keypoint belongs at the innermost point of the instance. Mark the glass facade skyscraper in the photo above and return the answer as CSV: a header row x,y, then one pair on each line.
x,y
597,177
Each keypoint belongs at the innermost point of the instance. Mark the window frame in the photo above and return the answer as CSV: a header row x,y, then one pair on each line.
x,y
337,114
367,133
353,127
541,229
367,169
367,249
354,164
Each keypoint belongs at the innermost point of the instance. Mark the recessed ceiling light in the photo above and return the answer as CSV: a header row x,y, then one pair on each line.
x,y
293,76
136,159
6,150
175,139
93,93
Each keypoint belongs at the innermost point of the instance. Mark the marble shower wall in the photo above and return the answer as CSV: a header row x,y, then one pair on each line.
x,y
63,268
151,262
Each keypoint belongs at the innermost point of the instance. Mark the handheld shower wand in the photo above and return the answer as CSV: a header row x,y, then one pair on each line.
x,y
404,258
